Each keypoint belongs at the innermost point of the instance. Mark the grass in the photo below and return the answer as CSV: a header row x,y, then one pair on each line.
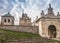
x,y
7,34
14,34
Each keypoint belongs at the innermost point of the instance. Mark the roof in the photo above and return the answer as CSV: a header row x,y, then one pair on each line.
x,y
7,15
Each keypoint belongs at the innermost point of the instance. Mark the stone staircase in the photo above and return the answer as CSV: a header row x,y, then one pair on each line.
x,y
32,40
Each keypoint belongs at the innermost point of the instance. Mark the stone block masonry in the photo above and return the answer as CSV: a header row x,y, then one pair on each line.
x,y
31,40
30,29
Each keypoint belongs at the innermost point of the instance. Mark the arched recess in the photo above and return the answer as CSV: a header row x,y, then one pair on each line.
x,y
52,31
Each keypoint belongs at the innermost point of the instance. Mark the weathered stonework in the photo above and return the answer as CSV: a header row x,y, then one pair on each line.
x,y
7,23
30,29
49,24
46,23
31,40
25,20
7,20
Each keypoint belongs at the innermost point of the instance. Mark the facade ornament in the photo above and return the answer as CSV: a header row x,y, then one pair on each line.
x,y
42,13
50,10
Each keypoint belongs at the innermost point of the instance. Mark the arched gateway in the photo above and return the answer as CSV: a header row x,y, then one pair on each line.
x,y
52,31
49,24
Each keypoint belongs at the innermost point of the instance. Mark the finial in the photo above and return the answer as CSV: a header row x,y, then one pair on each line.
x,y
49,5
42,12
58,12
8,13
36,16
22,14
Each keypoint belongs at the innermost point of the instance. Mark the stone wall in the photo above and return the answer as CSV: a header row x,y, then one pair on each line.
x,y
7,20
30,29
31,40
45,26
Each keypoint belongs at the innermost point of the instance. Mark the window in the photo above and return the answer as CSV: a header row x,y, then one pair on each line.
x,y
8,20
5,20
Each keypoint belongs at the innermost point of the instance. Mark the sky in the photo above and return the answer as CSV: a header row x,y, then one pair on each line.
x,y
31,7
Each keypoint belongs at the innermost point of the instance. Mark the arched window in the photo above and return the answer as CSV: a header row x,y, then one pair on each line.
x,y
8,20
5,20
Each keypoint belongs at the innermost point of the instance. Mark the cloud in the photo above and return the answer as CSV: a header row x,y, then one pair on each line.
x,y
31,7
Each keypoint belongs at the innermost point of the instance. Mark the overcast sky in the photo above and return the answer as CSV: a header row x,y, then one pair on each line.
x,y
31,7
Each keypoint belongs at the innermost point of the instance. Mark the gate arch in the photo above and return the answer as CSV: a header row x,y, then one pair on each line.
x,y
52,31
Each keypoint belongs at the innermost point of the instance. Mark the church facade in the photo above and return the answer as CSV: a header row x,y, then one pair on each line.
x,y
49,24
